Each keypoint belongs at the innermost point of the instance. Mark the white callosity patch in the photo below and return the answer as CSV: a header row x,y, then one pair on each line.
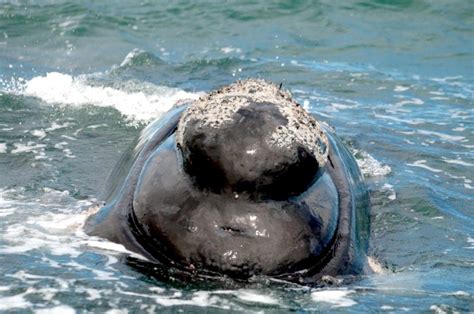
x,y
217,109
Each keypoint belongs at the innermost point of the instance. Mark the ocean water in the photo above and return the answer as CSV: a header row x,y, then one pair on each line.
x,y
80,79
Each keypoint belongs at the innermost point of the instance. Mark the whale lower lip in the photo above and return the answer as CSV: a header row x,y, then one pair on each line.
x,y
232,237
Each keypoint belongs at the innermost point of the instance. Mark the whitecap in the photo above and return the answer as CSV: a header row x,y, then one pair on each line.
x,y
458,162
338,298
39,133
140,106
26,148
131,56
228,50
408,121
255,297
443,136
412,101
369,166
60,309
392,195
400,88
422,164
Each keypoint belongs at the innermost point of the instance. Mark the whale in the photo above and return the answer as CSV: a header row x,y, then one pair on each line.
x,y
241,183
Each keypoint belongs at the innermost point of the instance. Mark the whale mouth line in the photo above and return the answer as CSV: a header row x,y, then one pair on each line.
x,y
165,258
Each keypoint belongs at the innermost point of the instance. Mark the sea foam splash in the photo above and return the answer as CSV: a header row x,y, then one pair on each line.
x,y
369,166
337,298
56,235
138,104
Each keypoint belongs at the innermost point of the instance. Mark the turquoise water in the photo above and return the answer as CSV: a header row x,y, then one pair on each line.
x,y
79,80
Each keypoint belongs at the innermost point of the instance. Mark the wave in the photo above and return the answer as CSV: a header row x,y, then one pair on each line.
x,y
137,101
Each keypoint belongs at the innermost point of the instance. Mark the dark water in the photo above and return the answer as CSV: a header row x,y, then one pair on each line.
x,y
79,80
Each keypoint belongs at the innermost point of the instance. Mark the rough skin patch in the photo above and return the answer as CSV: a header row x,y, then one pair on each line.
x,y
218,108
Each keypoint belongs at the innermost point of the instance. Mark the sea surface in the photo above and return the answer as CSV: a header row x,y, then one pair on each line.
x,y
79,80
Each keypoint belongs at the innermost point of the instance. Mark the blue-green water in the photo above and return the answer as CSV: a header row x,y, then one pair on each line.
x,y
79,80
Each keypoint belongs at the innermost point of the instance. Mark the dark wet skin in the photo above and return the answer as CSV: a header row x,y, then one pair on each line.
x,y
228,203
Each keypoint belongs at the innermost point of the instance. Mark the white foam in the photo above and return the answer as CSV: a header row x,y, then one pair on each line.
x,y
439,309
117,311
68,137
446,79
39,133
26,148
3,148
99,274
39,231
58,233
375,265
408,121
228,50
392,194
458,162
111,246
370,167
255,297
64,89
421,164
60,309
443,136
338,298
22,239
470,241
199,298
14,302
339,106
6,211
400,88
60,145
460,293
412,101
94,294
130,56
54,126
